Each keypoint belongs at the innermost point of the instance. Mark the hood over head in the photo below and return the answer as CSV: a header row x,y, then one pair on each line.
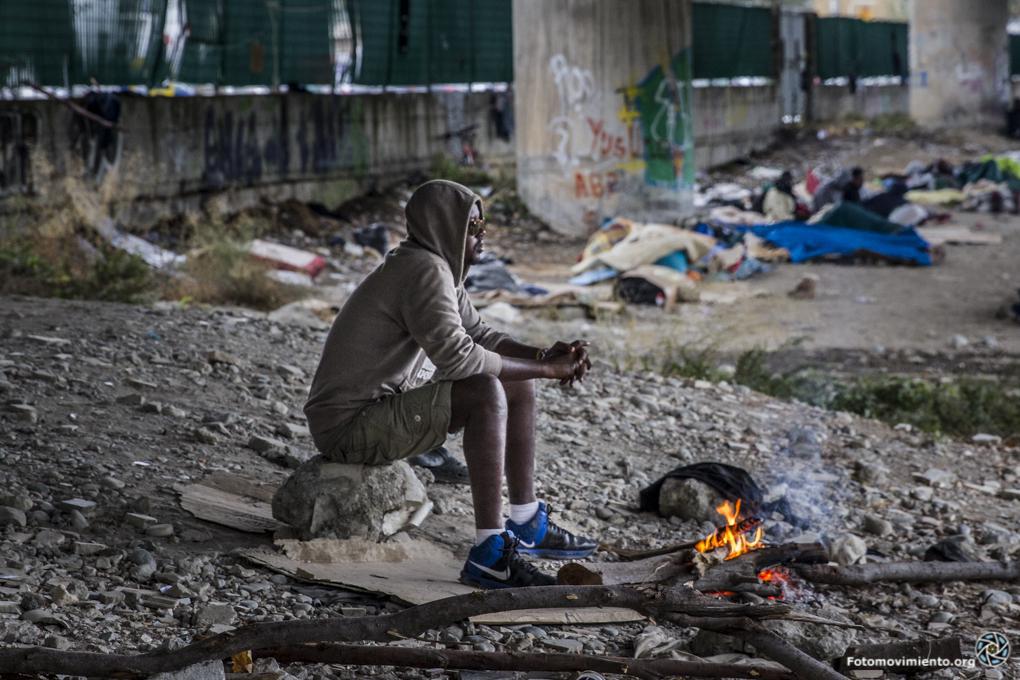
x,y
437,220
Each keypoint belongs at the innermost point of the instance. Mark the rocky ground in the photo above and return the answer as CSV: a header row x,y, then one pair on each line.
x,y
106,407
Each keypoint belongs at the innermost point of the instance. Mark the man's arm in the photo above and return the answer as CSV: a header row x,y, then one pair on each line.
x,y
562,368
520,361
522,357
430,311
508,347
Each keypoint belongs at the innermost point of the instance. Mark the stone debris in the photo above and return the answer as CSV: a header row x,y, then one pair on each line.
x,y
689,499
96,554
323,499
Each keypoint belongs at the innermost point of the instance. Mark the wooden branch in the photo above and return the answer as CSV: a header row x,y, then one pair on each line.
x,y
649,600
421,657
771,645
77,108
650,570
727,576
629,554
764,641
897,572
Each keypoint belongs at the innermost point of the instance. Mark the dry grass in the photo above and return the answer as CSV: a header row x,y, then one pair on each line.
x,y
219,270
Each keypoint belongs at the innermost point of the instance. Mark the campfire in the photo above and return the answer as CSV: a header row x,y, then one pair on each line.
x,y
734,535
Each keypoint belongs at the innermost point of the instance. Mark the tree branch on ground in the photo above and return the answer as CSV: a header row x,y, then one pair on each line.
x,y
652,601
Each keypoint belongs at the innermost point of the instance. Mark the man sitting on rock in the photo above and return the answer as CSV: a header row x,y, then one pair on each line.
x,y
408,360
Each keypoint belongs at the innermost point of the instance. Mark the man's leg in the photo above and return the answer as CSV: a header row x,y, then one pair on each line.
x,y
520,441
479,406
529,519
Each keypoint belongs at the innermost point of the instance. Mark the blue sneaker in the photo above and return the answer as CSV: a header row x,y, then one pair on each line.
x,y
496,564
542,538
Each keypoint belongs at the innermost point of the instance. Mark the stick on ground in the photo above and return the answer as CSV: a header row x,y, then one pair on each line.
x,y
917,572
652,601
418,657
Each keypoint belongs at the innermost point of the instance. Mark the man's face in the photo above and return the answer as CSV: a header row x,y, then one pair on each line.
x,y
475,244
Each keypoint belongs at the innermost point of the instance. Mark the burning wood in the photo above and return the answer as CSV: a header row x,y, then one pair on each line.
x,y
734,534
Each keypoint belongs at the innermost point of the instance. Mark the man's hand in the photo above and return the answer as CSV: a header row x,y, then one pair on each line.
x,y
574,353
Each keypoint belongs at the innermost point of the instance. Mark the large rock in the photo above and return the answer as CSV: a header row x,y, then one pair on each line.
x,y
323,499
689,499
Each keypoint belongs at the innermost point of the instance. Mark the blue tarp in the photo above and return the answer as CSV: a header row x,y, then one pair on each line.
x,y
809,241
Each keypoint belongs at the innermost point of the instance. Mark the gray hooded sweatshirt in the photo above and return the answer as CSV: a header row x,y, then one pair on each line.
x,y
411,307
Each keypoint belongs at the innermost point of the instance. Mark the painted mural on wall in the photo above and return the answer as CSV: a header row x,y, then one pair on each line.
x,y
664,102
647,145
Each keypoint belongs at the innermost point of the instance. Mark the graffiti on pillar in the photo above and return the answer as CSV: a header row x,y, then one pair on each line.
x,y
18,132
98,145
648,141
575,89
663,100
593,152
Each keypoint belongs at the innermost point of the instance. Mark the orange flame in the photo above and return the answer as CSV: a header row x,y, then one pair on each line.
x,y
729,536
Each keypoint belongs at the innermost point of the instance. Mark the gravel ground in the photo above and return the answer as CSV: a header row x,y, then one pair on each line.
x,y
106,407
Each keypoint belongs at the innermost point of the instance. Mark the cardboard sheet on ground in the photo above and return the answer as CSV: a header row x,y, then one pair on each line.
x,y
958,235
238,506
414,572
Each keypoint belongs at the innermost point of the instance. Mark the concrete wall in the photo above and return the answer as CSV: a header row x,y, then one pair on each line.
x,y
601,129
174,153
835,102
959,61
731,122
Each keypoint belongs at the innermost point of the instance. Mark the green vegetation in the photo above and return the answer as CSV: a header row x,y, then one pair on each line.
x,y
892,124
221,272
959,407
444,167
51,255
68,266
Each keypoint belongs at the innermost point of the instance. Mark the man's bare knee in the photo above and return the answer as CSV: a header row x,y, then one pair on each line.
x,y
481,395
520,391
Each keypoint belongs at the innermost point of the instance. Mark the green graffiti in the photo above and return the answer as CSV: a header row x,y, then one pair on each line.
x,y
664,104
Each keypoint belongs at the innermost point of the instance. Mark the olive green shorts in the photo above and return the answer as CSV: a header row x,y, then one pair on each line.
x,y
395,427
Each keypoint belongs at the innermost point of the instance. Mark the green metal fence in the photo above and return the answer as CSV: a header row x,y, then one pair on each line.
x,y
255,42
53,42
1014,55
731,41
441,41
847,47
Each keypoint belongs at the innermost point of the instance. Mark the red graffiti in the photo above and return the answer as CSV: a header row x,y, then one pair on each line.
x,y
604,143
596,184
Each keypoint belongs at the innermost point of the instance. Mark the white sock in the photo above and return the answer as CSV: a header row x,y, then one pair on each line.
x,y
522,514
482,535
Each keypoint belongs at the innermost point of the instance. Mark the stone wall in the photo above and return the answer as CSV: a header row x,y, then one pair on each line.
x,y
834,102
731,122
959,62
171,154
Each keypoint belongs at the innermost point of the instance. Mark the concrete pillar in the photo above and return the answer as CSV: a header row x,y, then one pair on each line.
x,y
959,62
603,110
